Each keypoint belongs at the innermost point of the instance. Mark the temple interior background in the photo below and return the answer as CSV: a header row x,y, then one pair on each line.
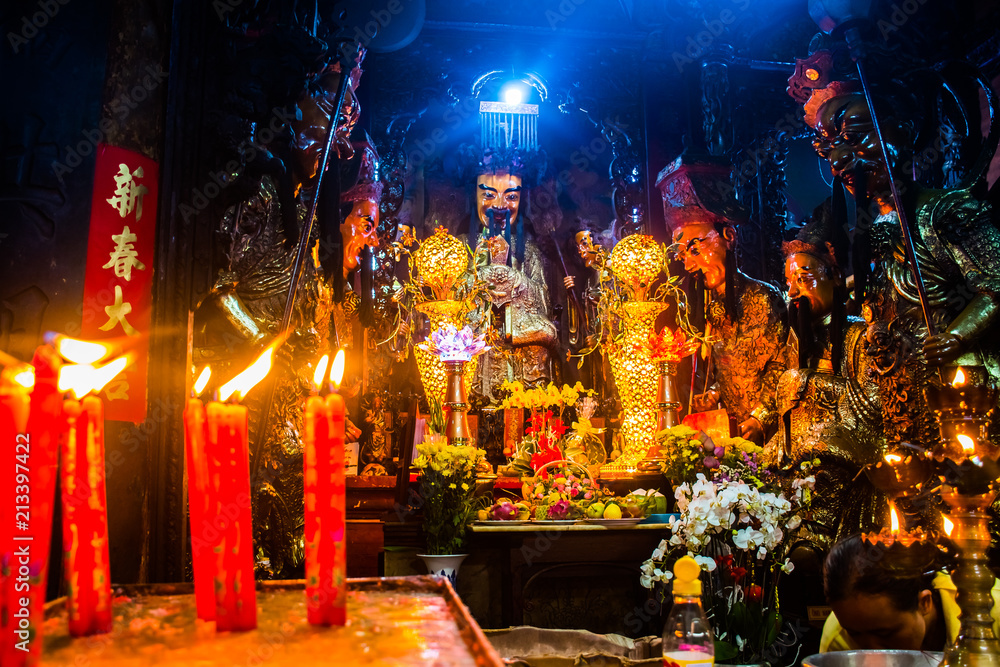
x,y
541,135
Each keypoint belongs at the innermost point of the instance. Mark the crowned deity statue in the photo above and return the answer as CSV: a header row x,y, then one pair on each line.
x,y
827,401
260,237
912,331
746,324
514,273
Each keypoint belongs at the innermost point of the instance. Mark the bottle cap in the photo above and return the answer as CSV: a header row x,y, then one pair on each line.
x,y
687,577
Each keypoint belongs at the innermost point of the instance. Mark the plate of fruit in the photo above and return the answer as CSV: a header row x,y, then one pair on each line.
x,y
505,511
614,512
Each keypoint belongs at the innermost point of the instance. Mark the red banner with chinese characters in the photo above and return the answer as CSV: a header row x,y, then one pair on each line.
x,y
117,291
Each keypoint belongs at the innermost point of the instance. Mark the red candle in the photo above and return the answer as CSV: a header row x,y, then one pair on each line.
x,y
203,561
85,518
32,535
325,488
227,453
14,405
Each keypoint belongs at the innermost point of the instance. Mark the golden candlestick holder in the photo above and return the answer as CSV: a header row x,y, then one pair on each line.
x,y
457,425
668,405
963,412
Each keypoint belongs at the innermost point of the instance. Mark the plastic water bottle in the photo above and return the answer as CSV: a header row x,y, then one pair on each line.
x,y
687,636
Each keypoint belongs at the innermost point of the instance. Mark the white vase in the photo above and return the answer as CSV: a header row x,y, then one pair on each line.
x,y
443,565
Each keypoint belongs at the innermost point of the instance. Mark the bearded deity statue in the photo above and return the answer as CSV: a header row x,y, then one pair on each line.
x,y
828,401
514,273
746,322
582,327
260,236
954,240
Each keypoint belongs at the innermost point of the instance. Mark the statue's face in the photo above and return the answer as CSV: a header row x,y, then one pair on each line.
x,y
702,248
585,247
359,230
498,192
845,136
310,130
810,278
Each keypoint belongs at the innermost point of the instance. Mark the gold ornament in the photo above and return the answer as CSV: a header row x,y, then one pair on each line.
x,y
441,260
636,263
637,377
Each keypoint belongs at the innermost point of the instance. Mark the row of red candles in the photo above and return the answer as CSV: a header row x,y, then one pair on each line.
x,y
37,430
219,504
37,426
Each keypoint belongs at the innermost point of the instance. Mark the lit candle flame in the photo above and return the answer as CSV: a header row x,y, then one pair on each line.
x,y
25,378
893,459
321,370
202,381
77,351
82,379
968,444
245,381
337,372
948,525
893,520
959,378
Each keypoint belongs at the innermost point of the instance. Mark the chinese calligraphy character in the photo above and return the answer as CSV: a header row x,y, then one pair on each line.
x,y
129,194
124,256
116,314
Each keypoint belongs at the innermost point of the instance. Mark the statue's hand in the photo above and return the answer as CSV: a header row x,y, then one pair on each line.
x,y
706,401
943,348
752,430
569,282
353,432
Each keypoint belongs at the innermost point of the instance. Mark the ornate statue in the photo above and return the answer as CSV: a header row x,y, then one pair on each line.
x,y
827,400
581,327
746,319
245,308
954,241
515,276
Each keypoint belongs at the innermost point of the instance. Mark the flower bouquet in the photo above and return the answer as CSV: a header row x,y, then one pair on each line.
x,y
447,485
688,453
737,522
542,437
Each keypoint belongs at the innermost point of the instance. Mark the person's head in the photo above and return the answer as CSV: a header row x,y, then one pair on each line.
x,y
498,191
845,136
584,243
836,109
360,207
704,247
884,597
310,127
811,273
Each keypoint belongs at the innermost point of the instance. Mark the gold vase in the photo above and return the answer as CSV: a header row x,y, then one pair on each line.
x,y
976,645
637,378
457,426
433,375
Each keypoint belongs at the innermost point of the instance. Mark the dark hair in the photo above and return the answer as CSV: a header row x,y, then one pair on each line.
x,y
855,566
